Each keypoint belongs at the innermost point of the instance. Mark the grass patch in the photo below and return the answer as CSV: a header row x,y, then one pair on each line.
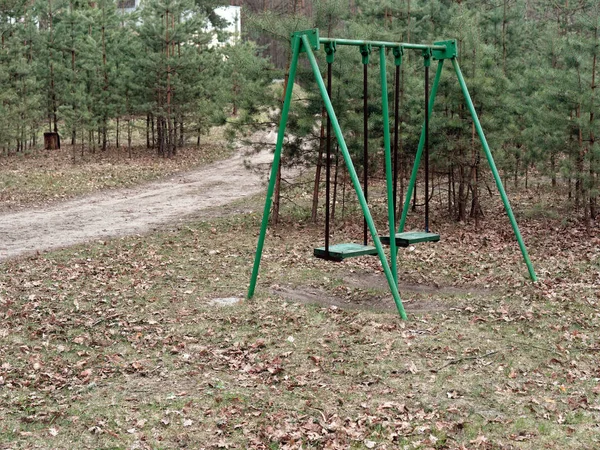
x,y
118,345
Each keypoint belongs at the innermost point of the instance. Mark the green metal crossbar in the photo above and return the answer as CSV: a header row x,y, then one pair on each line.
x,y
309,41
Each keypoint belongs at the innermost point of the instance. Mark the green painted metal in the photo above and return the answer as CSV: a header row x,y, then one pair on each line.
x,y
406,45
307,41
365,51
451,50
490,158
398,52
415,171
354,178
412,237
313,39
330,49
296,43
388,161
339,252
426,53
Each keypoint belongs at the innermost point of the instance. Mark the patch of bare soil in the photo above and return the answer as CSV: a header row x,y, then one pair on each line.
x,y
138,210
379,282
316,296
372,293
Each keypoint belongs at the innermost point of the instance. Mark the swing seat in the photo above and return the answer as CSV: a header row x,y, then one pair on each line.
x,y
339,252
411,237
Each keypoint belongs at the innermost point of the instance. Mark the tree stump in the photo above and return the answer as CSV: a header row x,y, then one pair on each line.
x,y
51,141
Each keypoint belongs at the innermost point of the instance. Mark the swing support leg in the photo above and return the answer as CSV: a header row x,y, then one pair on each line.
x,y
275,167
415,170
353,176
490,158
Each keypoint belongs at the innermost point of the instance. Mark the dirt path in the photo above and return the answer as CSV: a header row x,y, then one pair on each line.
x,y
131,211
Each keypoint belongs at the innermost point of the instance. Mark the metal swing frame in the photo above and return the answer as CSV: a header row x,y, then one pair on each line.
x,y
308,42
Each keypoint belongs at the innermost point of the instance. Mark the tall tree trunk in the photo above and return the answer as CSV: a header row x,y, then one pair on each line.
x,y
335,183
277,196
153,125
148,130
517,168
475,178
579,188
414,200
463,192
504,30
181,135
277,191
592,191
129,136
553,168
105,86
450,190
53,107
169,134
73,74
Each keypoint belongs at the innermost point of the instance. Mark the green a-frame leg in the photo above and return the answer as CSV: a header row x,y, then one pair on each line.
x,y
488,155
306,42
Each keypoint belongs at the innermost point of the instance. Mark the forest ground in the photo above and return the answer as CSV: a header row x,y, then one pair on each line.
x,y
123,343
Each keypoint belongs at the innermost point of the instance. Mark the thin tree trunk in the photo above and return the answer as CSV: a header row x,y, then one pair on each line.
x,y
129,137
277,191
462,191
277,196
105,86
53,119
553,168
414,201
504,30
315,202
148,130
181,135
335,183
593,196
517,164
450,191
579,188
153,131
73,74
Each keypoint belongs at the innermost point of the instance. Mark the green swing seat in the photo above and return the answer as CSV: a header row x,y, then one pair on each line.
x,y
411,237
339,252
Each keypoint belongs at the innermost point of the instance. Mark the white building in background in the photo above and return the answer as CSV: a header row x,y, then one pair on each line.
x,y
233,31
231,14
128,5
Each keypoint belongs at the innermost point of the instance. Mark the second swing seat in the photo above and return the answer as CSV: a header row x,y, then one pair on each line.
x,y
339,252
411,237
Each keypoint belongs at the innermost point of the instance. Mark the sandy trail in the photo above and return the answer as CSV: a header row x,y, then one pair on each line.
x,y
132,211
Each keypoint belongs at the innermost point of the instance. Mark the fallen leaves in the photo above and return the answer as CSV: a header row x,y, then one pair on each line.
x,y
114,337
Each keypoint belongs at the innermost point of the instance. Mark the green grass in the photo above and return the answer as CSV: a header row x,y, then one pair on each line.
x,y
117,345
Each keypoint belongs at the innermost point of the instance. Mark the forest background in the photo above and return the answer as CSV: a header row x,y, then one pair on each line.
x,y
101,76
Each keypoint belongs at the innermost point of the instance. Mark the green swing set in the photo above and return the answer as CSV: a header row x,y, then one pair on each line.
x,y
309,41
